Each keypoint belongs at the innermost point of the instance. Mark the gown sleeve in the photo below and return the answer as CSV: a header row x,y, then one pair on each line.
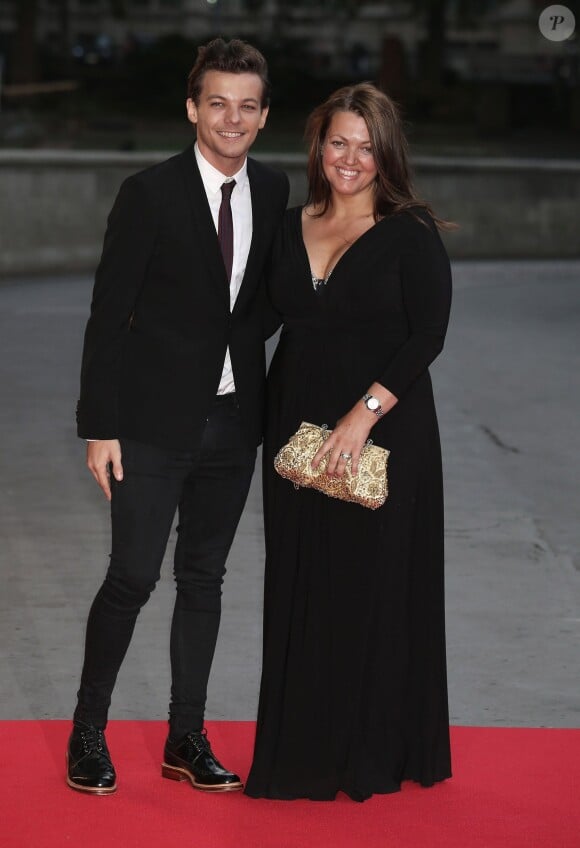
x,y
426,288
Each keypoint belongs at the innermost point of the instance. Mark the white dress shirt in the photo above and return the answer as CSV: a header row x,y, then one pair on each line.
x,y
241,203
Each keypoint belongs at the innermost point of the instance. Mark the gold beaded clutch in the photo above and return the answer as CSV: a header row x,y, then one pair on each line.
x,y
368,488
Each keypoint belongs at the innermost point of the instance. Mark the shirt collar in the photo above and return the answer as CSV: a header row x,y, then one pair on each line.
x,y
213,179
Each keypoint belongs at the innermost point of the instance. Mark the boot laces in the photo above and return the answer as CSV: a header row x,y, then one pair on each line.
x,y
200,741
93,740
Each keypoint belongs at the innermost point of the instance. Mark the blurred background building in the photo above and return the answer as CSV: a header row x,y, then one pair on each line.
x,y
460,62
93,90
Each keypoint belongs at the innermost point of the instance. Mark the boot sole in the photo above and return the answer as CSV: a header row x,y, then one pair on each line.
x,y
92,790
89,790
176,773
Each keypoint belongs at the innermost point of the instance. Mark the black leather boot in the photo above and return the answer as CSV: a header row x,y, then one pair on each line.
x,y
192,759
89,766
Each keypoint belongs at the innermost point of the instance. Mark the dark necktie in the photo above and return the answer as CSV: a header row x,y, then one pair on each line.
x,y
226,227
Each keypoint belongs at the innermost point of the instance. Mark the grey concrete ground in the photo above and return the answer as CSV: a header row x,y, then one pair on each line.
x,y
509,411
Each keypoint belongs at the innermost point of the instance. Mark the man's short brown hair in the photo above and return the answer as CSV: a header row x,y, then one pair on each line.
x,y
232,57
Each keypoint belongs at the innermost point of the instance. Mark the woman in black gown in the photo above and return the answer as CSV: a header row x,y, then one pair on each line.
x,y
354,694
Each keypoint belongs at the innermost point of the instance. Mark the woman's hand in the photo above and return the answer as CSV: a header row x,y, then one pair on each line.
x,y
351,433
346,442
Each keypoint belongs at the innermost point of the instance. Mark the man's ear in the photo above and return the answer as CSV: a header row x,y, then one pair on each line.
x,y
191,110
263,117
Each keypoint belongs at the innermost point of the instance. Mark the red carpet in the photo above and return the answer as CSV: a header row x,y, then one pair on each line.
x,y
511,789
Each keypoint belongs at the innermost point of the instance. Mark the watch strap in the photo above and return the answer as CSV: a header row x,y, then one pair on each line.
x,y
378,411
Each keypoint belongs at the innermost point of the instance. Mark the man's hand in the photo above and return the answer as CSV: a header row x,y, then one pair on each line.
x,y
102,455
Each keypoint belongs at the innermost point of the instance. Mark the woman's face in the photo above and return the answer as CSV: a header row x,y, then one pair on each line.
x,y
347,156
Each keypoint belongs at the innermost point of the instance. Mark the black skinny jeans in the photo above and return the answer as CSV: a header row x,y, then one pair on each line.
x,y
209,489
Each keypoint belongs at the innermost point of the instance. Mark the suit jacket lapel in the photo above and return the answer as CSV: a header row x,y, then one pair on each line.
x,y
259,224
204,225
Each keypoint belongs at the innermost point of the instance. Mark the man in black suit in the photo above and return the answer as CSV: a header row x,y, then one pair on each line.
x,y
171,400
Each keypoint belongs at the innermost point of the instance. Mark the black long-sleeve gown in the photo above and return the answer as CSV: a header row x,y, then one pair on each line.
x,y
354,694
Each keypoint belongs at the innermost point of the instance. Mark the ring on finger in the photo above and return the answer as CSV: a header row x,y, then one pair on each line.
x,y
345,456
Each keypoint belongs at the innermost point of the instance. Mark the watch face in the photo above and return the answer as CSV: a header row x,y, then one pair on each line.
x,y
372,403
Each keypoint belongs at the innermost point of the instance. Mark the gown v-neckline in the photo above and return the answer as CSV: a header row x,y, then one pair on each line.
x,y
319,283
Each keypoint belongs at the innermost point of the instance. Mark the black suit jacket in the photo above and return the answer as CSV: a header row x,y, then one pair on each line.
x,y
160,316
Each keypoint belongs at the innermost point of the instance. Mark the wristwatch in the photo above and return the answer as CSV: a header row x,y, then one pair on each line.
x,y
373,405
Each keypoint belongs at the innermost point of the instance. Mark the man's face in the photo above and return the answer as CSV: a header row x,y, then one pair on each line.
x,y
228,117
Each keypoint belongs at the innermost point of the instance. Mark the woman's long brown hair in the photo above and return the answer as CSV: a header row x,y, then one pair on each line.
x,y
394,191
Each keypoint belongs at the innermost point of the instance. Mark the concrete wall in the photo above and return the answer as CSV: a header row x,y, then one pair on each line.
x,y
54,204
